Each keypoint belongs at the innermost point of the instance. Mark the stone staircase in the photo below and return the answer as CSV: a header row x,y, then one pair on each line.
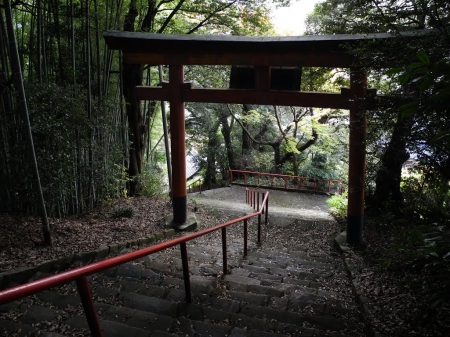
x,y
293,284
263,295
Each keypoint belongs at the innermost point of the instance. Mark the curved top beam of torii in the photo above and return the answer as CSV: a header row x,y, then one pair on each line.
x,y
307,51
261,53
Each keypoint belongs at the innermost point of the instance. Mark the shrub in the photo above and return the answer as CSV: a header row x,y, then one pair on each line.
x,y
338,204
151,181
124,212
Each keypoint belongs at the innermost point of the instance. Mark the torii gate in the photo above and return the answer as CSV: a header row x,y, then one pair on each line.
x,y
262,53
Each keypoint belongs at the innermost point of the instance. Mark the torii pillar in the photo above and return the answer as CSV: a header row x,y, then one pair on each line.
x,y
357,156
180,219
178,144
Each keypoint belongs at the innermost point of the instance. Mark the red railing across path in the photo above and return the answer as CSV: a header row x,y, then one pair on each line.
x,y
303,183
195,186
259,200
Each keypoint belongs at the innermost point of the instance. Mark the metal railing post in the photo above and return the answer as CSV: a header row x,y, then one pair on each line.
x,y
259,228
224,250
245,236
186,276
88,306
266,208
253,199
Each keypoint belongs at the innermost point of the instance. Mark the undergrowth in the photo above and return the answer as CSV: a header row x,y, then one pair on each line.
x,y
124,212
338,204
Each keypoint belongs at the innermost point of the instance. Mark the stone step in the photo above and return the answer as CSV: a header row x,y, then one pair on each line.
x,y
114,329
12,328
293,257
235,313
249,278
269,268
239,288
274,291
246,306
243,291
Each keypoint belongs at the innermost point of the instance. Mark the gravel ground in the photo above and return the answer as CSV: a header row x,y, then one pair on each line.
x,y
301,200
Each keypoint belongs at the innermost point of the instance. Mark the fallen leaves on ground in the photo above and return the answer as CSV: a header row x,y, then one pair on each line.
x,y
401,292
21,237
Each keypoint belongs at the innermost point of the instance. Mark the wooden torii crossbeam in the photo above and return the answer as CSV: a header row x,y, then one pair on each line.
x,y
262,53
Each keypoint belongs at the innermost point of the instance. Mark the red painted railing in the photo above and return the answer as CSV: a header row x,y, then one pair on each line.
x,y
260,199
195,186
303,183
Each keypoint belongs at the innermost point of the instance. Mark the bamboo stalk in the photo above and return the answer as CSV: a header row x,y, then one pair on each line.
x,y
15,61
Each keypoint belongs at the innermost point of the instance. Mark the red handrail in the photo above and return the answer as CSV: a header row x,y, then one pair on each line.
x,y
285,177
79,274
194,189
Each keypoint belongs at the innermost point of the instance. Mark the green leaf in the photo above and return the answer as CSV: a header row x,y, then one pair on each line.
x,y
424,58
409,109
402,79
415,65
421,70
394,71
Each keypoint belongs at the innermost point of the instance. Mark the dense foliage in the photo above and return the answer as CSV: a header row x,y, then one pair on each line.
x,y
94,141
414,122
408,154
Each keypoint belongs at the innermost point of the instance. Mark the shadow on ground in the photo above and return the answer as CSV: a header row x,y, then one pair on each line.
x,y
284,207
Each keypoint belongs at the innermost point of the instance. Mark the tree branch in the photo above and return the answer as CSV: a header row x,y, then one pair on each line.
x,y
278,120
202,23
246,131
323,118
171,15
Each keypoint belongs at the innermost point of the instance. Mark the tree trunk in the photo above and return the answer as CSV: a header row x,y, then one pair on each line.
x,y
277,155
166,136
132,77
294,157
302,147
246,140
226,132
389,174
39,40
61,73
213,144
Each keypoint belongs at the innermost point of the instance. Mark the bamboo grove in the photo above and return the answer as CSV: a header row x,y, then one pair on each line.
x,y
91,139
74,107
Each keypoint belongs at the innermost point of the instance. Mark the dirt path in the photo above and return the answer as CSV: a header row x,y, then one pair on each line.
x,y
284,207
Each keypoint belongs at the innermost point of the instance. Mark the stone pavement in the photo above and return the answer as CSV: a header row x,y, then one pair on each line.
x,y
292,284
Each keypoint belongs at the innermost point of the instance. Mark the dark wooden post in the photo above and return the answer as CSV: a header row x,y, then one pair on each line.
x,y
262,78
178,147
357,157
